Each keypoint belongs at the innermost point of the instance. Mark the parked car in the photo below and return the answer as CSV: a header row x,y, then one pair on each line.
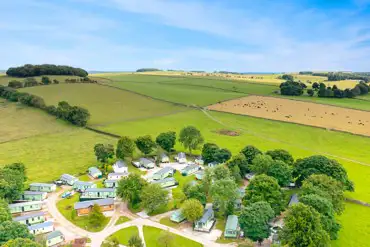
x,y
136,164
58,182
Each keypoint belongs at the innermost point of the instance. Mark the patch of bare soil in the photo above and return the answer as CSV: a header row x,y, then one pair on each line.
x,y
324,116
227,132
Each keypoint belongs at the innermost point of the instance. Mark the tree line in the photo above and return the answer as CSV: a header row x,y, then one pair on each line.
x,y
294,88
147,70
45,80
29,70
338,76
74,114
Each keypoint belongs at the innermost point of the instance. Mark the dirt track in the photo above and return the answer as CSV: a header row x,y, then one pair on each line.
x,y
330,117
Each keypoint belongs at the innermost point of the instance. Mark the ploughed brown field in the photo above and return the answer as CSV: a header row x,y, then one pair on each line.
x,y
330,117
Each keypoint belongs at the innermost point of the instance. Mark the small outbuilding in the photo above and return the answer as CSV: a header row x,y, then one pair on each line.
x,y
81,186
199,160
31,219
68,179
249,176
181,158
33,196
120,167
206,223
213,164
25,207
147,163
190,169
164,173
54,238
111,183
164,158
177,216
97,193
95,172
199,175
232,227
167,182
293,200
40,228
84,208
42,187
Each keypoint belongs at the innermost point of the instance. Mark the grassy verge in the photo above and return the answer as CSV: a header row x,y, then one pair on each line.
x,y
121,220
65,207
166,221
123,236
151,235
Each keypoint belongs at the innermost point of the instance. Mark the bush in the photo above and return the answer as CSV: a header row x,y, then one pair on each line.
x,y
15,84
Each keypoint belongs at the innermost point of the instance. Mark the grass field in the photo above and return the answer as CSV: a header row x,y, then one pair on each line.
x,y
151,235
121,220
4,79
300,140
18,121
105,104
355,230
50,155
65,207
123,235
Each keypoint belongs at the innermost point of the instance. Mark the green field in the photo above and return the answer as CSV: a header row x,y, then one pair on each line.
x,y
121,220
105,104
123,235
151,235
18,121
65,207
355,230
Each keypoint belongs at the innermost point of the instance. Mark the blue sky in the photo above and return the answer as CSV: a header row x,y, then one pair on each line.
x,y
234,35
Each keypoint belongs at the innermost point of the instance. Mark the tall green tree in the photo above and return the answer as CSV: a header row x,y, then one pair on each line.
x,y
319,164
103,152
96,217
12,230
209,151
12,178
45,80
326,187
222,155
130,188
145,144
240,161
282,155
250,152
265,188
125,148
192,209
281,171
135,241
5,214
154,197
21,242
261,164
254,220
223,193
327,215
166,140
191,138
195,192
303,228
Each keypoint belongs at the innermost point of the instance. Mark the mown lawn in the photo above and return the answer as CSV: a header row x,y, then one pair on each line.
x,y
123,235
166,221
18,121
105,104
121,220
65,207
151,235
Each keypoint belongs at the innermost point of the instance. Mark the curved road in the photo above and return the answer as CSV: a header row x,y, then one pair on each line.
x,y
97,238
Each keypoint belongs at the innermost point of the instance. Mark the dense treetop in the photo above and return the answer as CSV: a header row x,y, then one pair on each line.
x,y
30,70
